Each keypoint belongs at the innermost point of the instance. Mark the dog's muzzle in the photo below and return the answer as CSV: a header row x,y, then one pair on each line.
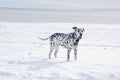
x,y
80,37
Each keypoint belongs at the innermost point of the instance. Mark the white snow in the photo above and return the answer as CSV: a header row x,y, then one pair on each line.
x,y
24,57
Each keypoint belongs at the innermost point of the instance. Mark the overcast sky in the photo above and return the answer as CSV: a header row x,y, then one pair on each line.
x,y
62,4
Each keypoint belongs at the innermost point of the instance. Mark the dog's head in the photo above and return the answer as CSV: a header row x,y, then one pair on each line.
x,y
79,32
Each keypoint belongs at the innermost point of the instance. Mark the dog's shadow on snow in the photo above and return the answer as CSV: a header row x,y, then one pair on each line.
x,y
38,64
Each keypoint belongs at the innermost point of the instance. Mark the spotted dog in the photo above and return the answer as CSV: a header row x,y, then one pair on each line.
x,y
69,41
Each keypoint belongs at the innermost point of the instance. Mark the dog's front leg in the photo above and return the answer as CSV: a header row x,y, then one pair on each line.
x,y
75,54
68,54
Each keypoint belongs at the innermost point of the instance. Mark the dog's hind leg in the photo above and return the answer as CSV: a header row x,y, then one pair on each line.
x,y
56,50
75,54
51,49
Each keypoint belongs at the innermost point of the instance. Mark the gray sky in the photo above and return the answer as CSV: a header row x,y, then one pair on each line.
x,y
62,4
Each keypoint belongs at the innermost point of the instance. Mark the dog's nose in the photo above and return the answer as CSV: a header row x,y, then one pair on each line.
x,y
80,36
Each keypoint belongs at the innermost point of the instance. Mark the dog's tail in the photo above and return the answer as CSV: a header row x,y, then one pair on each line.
x,y
44,38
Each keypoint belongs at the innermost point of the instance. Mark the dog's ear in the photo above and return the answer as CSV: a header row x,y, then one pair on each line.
x,y
83,29
74,28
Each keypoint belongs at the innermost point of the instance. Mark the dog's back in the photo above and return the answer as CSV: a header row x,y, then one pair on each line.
x,y
67,40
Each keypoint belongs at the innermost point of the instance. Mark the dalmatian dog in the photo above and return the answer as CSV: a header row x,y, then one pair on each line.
x,y
69,41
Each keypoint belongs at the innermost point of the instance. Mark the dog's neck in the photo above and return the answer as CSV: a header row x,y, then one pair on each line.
x,y
76,39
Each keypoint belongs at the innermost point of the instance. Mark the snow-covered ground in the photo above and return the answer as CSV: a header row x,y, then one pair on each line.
x,y
24,57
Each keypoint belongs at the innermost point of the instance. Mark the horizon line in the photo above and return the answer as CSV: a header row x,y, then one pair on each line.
x,y
57,9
